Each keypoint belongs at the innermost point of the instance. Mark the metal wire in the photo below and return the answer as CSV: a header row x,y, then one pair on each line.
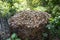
x,y
4,28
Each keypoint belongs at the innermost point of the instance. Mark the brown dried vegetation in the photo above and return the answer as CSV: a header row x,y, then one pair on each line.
x,y
29,24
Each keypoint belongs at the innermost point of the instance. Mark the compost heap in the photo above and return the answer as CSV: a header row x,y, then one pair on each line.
x,y
29,24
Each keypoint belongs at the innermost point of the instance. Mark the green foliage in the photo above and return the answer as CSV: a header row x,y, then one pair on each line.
x,y
54,26
4,8
35,5
53,7
10,7
13,37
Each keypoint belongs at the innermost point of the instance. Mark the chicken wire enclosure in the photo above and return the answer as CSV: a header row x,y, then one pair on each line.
x,y
4,28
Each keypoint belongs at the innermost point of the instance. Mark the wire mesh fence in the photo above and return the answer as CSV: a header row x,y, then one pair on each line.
x,y
4,28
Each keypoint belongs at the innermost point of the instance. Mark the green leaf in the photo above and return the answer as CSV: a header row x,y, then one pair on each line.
x,y
8,39
18,39
14,36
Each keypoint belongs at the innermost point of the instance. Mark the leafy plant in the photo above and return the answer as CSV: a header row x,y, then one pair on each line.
x,y
13,37
54,26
